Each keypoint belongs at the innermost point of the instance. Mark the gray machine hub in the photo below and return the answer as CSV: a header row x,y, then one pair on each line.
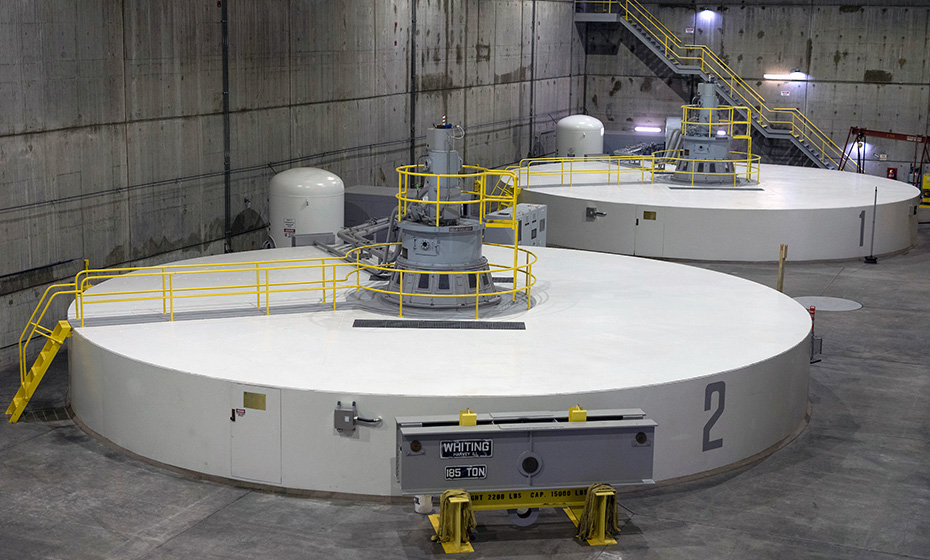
x,y
442,254
706,158
427,251
706,166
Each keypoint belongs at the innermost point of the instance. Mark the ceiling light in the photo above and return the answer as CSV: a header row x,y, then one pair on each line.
x,y
647,129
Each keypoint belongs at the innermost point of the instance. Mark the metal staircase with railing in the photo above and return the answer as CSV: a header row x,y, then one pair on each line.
x,y
29,380
698,60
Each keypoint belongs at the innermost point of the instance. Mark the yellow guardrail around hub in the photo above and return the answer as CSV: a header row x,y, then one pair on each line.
x,y
477,179
700,56
744,164
570,168
573,170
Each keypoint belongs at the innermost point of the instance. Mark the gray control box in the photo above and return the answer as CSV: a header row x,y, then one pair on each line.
x,y
531,230
524,450
345,417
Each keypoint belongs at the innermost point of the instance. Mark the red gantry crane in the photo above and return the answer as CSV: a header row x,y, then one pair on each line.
x,y
861,134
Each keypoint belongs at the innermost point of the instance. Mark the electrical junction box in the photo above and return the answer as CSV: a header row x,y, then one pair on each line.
x,y
524,451
345,418
531,229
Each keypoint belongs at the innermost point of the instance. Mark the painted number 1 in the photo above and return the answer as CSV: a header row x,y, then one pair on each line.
x,y
861,227
721,389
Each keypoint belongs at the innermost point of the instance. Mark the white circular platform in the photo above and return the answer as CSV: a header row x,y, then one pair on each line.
x,y
820,214
706,355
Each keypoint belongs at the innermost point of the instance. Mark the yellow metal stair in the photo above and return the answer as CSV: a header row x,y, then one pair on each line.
x,y
35,374
686,59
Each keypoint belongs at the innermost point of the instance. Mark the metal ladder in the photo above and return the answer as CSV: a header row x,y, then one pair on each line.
x,y
33,377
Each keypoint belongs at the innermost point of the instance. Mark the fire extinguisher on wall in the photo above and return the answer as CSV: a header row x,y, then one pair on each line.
x,y
892,173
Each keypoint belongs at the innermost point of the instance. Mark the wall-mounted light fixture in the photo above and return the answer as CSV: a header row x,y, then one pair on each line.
x,y
647,129
707,16
794,75
722,132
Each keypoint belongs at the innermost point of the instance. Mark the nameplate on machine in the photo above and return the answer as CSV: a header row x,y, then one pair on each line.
x,y
467,472
466,448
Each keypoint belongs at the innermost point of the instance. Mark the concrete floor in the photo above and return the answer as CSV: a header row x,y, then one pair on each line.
x,y
854,485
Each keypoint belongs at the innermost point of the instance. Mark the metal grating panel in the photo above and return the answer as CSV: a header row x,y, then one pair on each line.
x,y
405,324
736,189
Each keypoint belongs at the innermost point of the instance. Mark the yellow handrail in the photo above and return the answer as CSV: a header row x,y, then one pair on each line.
x,y
526,270
409,174
35,323
744,164
333,274
790,119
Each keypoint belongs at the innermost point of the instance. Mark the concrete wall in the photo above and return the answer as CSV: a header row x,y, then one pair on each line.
x,y
111,132
866,61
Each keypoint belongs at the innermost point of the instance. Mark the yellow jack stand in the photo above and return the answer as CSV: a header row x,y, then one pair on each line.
x,y
457,544
574,513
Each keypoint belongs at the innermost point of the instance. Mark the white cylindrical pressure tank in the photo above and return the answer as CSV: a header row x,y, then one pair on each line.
x,y
579,135
305,200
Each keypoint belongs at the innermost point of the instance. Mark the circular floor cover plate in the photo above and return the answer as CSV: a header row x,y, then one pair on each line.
x,y
822,303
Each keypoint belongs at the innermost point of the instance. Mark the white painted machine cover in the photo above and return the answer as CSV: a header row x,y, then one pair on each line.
x,y
579,135
305,200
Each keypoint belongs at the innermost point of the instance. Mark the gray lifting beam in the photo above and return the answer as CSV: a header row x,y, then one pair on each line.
x,y
524,451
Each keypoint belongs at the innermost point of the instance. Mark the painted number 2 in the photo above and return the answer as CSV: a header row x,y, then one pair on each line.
x,y
721,389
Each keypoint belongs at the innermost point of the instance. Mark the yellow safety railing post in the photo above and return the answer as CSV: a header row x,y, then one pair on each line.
x,y
477,292
401,194
171,294
400,290
267,293
164,303
258,283
516,269
529,276
79,297
323,272
334,287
